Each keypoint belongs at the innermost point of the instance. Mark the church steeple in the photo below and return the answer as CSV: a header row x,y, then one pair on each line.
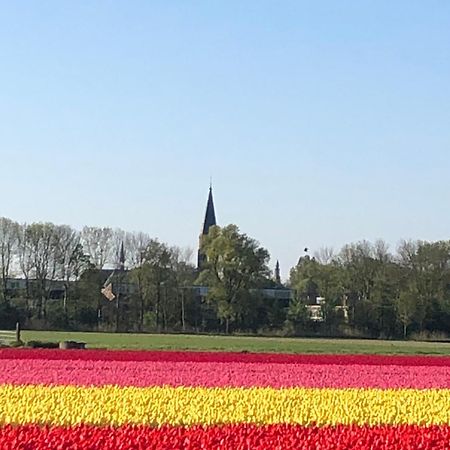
x,y
210,220
122,258
277,273
210,215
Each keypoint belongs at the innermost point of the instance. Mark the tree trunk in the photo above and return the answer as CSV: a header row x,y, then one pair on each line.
x,y
164,309
45,295
27,296
158,302
183,322
66,289
141,313
4,289
117,312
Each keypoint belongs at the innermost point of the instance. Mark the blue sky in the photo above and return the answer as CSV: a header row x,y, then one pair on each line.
x,y
321,123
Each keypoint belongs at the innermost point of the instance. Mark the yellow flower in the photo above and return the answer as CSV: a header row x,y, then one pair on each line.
x,y
113,405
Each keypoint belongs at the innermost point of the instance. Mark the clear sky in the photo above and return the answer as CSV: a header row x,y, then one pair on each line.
x,y
321,123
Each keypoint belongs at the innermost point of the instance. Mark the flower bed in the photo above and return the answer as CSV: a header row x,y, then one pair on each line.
x,y
165,400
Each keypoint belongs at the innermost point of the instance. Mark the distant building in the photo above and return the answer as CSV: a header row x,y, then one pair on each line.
x,y
20,287
315,313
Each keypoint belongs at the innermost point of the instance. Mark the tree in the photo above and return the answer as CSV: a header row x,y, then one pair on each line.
x,y
381,251
428,270
235,264
406,306
99,244
303,279
381,314
184,278
152,276
9,239
136,247
25,258
70,257
324,255
361,265
41,238
297,317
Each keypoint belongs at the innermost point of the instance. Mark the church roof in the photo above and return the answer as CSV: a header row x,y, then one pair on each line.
x,y
210,216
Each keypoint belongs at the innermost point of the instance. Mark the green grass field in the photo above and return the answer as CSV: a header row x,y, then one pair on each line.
x,y
239,344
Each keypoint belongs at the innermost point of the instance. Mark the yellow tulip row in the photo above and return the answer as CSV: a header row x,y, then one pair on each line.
x,y
113,405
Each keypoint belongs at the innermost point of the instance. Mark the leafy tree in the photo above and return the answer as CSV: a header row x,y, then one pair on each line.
x,y
304,279
153,277
297,318
427,267
235,264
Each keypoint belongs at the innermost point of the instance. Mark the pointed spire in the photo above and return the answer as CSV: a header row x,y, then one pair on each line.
x,y
122,257
210,220
210,216
277,273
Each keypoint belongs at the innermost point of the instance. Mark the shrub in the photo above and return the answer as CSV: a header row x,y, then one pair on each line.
x,y
432,336
41,344
9,316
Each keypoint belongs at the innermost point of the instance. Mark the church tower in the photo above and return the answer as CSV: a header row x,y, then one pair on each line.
x,y
122,258
210,220
277,274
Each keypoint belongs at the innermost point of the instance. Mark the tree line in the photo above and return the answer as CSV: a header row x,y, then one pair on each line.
x,y
363,289
387,294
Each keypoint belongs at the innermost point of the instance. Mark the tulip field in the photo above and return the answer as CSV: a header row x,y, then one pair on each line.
x,y
102,399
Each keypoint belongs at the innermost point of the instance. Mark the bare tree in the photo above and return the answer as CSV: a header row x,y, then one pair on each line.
x,y
9,239
324,255
360,262
25,258
41,238
183,270
99,245
136,253
69,257
381,251
120,242
406,251
136,246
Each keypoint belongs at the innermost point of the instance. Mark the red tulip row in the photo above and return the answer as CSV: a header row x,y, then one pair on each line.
x,y
241,437
213,374
224,357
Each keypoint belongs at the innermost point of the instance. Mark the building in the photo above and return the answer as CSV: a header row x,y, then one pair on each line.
x,y
20,287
